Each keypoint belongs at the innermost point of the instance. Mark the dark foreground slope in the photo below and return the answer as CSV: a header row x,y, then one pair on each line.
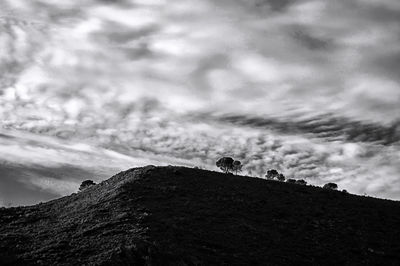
x,y
182,216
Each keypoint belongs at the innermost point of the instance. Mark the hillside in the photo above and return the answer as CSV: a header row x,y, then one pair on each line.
x,y
182,216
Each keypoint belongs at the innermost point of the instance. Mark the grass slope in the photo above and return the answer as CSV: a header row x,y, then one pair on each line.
x,y
183,216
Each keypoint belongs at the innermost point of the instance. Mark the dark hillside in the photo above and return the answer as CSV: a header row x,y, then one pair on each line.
x,y
182,216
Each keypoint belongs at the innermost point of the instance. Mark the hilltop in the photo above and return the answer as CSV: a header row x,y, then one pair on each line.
x,y
183,216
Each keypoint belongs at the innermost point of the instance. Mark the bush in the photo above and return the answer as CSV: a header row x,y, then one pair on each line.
x,y
281,177
331,186
301,182
271,174
86,184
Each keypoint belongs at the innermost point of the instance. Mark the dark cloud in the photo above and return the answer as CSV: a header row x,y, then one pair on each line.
x,y
328,127
116,2
383,12
132,44
6,136
386,64
275,5
116,33
311,42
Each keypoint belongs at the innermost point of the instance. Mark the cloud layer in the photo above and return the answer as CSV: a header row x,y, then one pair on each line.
x,y
310,87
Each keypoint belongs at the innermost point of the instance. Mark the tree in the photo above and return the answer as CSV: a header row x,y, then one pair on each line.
x,y
225,164
86,184
281,177
331,186
237,166
271,174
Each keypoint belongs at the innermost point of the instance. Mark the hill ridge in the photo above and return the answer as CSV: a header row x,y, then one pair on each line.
x,y
182,216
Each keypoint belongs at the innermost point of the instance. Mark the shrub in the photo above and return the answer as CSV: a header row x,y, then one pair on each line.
x,y
281,177
331,186
271,174
86,184
301,182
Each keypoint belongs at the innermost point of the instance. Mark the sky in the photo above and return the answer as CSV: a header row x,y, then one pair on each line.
x,y
308,87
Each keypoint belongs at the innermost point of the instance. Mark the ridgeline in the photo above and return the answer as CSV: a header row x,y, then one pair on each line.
x,y
183,216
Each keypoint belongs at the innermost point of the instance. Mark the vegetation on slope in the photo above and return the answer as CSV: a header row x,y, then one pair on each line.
x,y
183,216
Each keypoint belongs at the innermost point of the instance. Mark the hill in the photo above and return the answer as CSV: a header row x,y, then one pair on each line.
x,y
183,216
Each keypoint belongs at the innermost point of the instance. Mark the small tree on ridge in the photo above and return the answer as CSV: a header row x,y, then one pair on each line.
x,y
237,166
225,164
271,174
86,184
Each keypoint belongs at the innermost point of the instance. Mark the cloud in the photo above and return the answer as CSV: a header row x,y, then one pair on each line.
x,y
41,168
311,42
26,185
285,57
309,87
328,127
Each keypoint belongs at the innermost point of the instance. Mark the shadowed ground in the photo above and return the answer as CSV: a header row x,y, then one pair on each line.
x,y
183,216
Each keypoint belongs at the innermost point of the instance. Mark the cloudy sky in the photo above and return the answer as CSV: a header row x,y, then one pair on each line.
x,y
308,87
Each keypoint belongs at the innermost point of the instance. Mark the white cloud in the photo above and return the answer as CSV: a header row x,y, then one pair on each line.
x,y
125,82
60,187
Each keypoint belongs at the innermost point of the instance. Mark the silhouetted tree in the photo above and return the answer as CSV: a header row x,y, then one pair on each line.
x,y
237,166
225,164
301,182
291,180
86,184
271,174
331,186
281,177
